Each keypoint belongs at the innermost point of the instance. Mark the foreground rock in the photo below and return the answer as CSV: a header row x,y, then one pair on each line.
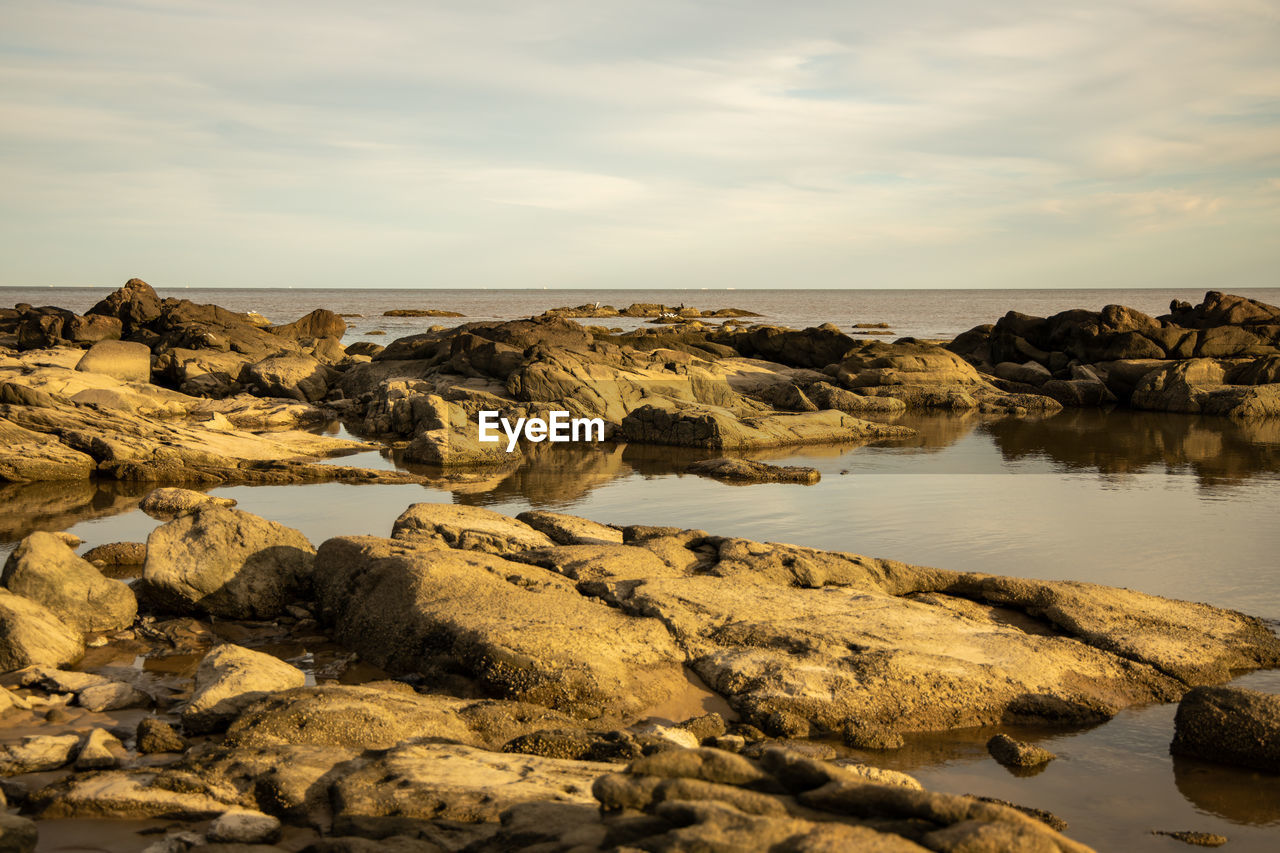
x,y
709,800
43,569
30,635
522,632
750,471
225,562
1229,725
231,678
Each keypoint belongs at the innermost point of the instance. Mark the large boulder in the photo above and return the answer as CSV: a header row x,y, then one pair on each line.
x,y
1229,725
297,377
135,305
225,562
30,635
231,678
523,632
124,360
44,569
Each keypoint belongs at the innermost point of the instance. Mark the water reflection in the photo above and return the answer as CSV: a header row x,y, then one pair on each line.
x,y
1218,451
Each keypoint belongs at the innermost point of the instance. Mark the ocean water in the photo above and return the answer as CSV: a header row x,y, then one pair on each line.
x,y
1175,505
914,313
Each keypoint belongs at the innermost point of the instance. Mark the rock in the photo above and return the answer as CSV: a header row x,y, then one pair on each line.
x,y
1016,753
17,834
31,456
403,607
570,529
350,717
320,323
668,735
101,750
136,794
827,396
1196,839
466,527
30,635
420,312
228,680
37,753
115,555
393,791
720,429
125,360
751,471
44,569
297,377
170,503
225,562
52,680
155,735
111,696
135,305
881,776
244,827
1229,725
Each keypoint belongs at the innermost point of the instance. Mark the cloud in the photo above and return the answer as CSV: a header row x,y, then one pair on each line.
x,y
914,143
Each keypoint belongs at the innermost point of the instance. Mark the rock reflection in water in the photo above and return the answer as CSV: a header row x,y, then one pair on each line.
x,y
52,506
1219,451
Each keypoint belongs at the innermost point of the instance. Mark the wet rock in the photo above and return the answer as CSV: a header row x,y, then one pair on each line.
x,y
111,696
37,753
30,634
169,503
125,360
225,562
751,471
228,680
155,735
244,827
1196,839
402,607
1229,725
466,527
1016,753
17,834
116,555
570,529
101,750
44,569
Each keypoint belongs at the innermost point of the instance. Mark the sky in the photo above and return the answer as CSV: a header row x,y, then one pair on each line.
x,y
606,144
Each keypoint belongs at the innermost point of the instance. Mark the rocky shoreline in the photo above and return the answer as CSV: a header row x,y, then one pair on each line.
x,y
481,682
509,668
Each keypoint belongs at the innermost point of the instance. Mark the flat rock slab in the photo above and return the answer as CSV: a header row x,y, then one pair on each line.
x,y
466,527
751,471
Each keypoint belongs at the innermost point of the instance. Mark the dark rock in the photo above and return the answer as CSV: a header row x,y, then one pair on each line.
x,y
155,735
1229,725
1016,753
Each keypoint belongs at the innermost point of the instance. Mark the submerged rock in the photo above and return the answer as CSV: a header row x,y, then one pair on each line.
x,y
1016,753
1230,725
751,471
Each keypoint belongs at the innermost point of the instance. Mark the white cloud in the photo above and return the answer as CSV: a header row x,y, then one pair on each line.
x,y
700,144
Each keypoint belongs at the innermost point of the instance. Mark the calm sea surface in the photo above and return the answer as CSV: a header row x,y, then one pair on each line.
x,y
1176,505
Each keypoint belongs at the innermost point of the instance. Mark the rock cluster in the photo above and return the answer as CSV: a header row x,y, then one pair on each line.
x,y
1221,357
529,652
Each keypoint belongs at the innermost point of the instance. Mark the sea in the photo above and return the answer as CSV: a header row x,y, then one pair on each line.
x,y
1176,505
